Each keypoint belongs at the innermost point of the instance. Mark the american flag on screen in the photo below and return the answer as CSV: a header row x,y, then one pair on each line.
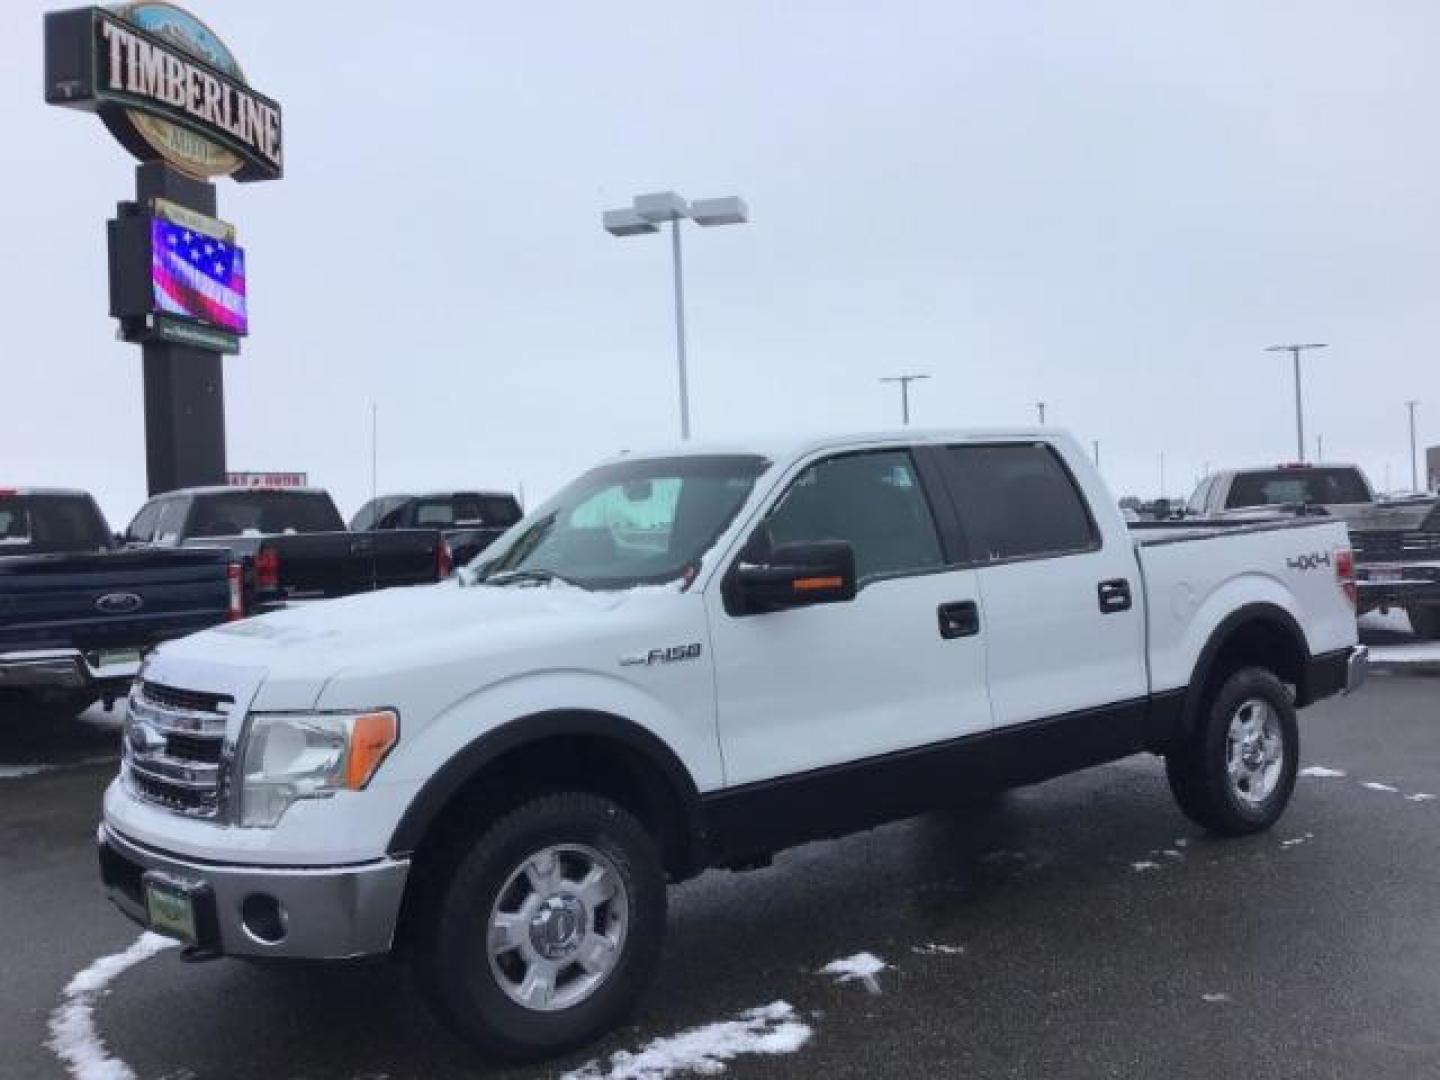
x,y
198,276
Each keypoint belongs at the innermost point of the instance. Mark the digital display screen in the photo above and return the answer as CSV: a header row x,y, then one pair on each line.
x,y
197,276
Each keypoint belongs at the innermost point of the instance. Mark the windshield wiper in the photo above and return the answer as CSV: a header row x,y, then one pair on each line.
x,y
534,576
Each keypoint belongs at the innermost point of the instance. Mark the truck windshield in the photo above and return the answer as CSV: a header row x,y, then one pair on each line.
x,y
1287,487
626,524
47,524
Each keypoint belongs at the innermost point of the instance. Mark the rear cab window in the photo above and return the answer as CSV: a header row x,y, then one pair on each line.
x,y
1017,501
260,512
41,524
1295,487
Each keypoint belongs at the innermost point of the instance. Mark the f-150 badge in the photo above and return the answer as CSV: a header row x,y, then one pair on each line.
x,y
662,656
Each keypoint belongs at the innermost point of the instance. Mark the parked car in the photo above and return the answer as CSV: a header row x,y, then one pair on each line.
x,y
1396,541
470,521
76,613
695,659
291,543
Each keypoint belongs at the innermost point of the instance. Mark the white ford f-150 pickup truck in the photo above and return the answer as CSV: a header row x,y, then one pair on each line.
x,y
696,659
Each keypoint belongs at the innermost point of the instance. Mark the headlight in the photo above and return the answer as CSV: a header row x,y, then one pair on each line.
x,y
309,756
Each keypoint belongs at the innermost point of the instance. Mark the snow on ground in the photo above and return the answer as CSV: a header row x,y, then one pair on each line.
x,y
1144,865
771,1029
1215,999
1321,771
861,968
1396,622
72,1025
1420,796
1373,786
15,772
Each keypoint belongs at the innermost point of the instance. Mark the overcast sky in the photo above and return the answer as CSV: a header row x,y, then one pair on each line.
x,y
1112,207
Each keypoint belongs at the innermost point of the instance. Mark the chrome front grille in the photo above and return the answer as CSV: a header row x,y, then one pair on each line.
x,y
174,748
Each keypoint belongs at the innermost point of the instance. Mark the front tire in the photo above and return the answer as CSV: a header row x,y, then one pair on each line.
x,y
1235,774
547,928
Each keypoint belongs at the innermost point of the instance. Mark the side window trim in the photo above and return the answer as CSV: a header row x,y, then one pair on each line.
x,y
1097,536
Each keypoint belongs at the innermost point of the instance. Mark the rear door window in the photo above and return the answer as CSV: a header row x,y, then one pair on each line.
x,y
1017,501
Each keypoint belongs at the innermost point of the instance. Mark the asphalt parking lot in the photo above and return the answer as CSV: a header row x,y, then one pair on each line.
x,y
1079,929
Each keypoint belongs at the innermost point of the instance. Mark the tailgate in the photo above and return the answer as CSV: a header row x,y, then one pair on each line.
x,y
118,599
338,564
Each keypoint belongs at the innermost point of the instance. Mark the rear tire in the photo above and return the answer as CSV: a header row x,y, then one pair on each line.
x,y
547,928
1425,621
1235,774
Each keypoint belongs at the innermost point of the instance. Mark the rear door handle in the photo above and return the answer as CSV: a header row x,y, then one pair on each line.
x,y
959,619
1114,596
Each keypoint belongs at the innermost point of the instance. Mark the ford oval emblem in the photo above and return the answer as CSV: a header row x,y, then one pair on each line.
x,y
119,603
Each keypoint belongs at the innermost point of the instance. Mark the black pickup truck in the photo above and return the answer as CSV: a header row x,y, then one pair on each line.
x,y
290,543
77,613
469,520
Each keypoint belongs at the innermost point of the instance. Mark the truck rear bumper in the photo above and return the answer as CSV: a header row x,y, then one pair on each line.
x,y
281,913
1340,672
64,669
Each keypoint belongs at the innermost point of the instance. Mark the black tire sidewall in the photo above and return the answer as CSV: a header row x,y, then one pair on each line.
x,y
1242,686
455,960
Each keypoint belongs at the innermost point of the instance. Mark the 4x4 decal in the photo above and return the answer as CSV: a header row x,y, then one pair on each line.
x,y
1308,562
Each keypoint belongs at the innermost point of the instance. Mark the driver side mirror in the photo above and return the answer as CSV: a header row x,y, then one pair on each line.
x,y
797,575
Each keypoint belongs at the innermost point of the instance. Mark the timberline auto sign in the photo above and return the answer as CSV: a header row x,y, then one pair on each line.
x,y
166,87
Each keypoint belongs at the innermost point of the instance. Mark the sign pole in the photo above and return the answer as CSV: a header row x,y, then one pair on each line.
x,y
184,385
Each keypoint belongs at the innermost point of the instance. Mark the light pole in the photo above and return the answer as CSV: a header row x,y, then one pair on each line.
x,y
1414,463
904,381
1040,412
646,215
1295,351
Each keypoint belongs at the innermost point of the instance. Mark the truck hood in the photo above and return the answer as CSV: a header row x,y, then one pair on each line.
x,y
300,649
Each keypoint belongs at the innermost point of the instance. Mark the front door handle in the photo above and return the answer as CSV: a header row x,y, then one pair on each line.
x,y
1114,596
960,619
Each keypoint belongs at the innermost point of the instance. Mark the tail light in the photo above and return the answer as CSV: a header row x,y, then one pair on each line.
x,y
267,570
1345,574
444,561
235,578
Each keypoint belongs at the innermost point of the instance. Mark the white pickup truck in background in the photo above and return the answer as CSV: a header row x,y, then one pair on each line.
x,y
694,659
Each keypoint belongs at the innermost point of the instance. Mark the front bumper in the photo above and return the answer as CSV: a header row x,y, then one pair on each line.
x,y
64,669
328,913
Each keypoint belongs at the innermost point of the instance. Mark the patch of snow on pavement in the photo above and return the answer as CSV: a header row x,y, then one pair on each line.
x,y
1373,786
72,1025
1144,865
861,968
771,1029
1294,840
15,772
932,948
1215,999
1321,771
1420,796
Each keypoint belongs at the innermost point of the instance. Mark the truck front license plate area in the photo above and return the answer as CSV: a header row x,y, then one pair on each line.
x,y
170,907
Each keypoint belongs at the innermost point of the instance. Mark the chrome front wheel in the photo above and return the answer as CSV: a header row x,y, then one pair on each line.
x,y
558,926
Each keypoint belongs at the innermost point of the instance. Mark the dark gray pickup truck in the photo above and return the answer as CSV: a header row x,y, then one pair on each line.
x,y
470,521
77,612
290,543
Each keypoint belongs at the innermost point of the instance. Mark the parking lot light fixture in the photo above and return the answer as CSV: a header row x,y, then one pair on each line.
x,y
646,215
1295,351
904,381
